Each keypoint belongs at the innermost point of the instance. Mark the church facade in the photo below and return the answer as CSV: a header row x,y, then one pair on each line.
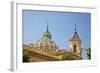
x,y
46,49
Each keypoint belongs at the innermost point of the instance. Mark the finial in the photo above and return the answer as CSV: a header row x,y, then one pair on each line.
x,y
47,27
75,27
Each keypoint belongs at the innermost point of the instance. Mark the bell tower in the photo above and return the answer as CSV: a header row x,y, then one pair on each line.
x,y
75,44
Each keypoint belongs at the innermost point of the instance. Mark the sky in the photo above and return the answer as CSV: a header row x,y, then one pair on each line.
x,y
61,26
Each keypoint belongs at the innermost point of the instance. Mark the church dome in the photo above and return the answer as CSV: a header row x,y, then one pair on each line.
x,y
46,43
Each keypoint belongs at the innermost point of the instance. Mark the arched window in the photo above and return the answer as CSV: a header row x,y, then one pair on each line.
x,y
74,48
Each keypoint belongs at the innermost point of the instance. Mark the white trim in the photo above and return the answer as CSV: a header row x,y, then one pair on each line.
x,y
17,37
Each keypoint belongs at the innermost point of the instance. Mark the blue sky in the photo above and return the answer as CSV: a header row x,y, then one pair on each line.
x,y
61,26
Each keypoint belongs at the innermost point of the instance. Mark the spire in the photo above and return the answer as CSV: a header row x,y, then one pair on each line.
x,y
47,27
75,36
47,34
75,27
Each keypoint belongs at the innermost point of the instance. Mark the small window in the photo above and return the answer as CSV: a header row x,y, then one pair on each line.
x,y
74,48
